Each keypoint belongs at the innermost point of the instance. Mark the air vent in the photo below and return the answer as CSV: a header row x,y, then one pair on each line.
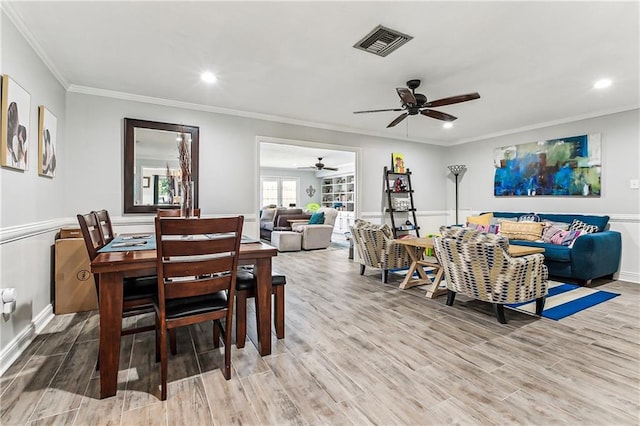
x,y
382,41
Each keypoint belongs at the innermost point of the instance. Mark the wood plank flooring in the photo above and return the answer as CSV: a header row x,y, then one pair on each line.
x,y
356,352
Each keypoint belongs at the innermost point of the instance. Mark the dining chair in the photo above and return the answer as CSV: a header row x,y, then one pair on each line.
x,y
246,288
176,213
138,292
197,265
106,228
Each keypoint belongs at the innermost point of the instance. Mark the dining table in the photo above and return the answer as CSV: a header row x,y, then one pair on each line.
x,y
129,259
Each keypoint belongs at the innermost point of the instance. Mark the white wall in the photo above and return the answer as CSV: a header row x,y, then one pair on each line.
x,y
30,206
621,162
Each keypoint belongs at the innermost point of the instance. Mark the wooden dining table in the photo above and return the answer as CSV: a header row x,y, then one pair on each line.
x,y
112,267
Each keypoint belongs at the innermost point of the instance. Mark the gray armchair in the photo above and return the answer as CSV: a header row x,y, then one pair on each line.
x,y
317,236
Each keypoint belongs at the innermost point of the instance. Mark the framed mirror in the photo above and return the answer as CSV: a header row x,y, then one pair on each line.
x,y
151,166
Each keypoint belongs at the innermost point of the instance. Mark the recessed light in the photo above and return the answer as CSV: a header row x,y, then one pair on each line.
x,y
447,125
208,77
601,84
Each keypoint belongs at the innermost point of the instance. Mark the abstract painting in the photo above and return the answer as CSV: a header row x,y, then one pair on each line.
x,y
47,132
16,106
568,166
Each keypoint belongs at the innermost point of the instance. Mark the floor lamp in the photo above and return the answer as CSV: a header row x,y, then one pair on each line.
x,y
456,170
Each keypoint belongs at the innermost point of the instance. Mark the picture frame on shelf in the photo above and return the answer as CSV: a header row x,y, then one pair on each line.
x,y
47,141
14,128
397,162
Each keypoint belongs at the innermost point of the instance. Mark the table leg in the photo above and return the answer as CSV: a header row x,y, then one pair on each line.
x,y
262,269
110,327
415,256
434,291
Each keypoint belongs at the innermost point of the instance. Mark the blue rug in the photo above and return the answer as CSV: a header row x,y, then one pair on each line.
x,y
564,300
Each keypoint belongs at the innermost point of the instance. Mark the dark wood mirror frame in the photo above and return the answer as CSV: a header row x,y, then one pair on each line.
x,y
130,124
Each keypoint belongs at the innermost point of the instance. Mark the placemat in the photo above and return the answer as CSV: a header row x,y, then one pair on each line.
x,y
130,242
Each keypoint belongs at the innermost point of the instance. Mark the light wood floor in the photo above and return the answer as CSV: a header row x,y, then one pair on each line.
x,y
356,352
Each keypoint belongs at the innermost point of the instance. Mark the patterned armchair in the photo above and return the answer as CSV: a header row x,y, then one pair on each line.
x,y
478,265
377,249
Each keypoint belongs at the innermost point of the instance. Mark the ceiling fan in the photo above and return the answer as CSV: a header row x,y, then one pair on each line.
x,y
319,166
415,103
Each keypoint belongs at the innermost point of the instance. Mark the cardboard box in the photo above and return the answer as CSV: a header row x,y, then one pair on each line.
x,y
75,289
70,233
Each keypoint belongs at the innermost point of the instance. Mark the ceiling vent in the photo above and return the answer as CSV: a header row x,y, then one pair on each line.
x,y
382,41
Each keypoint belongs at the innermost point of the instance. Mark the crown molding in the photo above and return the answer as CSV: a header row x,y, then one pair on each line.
x,y
545,124
16,19
245,114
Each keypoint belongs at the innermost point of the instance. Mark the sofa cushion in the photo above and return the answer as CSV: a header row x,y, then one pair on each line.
x,y
551,251
529,231
599,221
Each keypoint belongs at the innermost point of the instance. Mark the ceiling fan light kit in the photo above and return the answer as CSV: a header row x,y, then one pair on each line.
x,y
416,103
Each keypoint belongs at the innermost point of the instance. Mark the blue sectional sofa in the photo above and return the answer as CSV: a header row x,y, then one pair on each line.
x,y
592,256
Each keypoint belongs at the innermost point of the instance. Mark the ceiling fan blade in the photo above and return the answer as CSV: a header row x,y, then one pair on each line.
x,y
330,168
307,168
406,96
397,120
452,100
438,115
377,110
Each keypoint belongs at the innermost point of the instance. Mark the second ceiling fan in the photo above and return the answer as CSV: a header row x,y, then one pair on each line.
x,y
319,166
415,103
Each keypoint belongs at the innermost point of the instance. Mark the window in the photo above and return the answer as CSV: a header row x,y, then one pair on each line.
x,y
281,191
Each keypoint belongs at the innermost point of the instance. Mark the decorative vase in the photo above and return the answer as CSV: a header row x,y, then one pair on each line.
x,y
186,207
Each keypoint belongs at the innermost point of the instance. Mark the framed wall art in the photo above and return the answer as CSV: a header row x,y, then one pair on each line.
x,y
14,140
47,137
568,166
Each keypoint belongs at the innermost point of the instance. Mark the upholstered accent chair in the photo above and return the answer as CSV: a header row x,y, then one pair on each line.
x,y
376,248
317,236
479,266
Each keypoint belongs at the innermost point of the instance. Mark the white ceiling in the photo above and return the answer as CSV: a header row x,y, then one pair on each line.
x,y
533,63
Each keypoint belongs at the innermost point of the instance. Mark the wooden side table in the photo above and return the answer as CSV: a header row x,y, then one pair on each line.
x,y
417,262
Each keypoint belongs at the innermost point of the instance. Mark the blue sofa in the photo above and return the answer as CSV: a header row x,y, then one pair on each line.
x,y
592,256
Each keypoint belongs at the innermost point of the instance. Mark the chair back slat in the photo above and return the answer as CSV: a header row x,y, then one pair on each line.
x,y
106,227
177,269
194,226
197,256
196,287
176,212
181,246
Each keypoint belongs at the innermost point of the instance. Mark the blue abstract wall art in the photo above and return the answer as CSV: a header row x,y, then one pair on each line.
x,y
558,167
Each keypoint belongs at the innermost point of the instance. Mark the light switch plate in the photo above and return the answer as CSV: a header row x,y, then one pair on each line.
x,y
633,184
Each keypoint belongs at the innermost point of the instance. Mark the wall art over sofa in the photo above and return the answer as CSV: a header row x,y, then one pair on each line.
x,y
568,166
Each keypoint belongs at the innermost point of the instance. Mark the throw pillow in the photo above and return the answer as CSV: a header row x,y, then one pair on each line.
x,y
560,225
565,238
487,229
578,225
529,218
317,218
528,231
483,219
549,232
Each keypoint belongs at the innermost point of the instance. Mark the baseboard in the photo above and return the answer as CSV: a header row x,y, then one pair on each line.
x,y
22,340
632,277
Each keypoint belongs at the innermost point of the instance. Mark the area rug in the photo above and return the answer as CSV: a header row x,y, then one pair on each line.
x,y
564,300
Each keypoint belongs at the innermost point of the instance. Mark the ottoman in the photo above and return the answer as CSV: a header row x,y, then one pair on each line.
x,y
286,240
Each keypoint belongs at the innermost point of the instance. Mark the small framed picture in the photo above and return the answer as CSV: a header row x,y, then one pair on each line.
x,y
47,137
146,182
397,162
14,138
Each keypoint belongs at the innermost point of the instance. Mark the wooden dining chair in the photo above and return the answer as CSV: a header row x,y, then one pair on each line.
x,y
138,292
197,265
176,213
106,228
246,288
